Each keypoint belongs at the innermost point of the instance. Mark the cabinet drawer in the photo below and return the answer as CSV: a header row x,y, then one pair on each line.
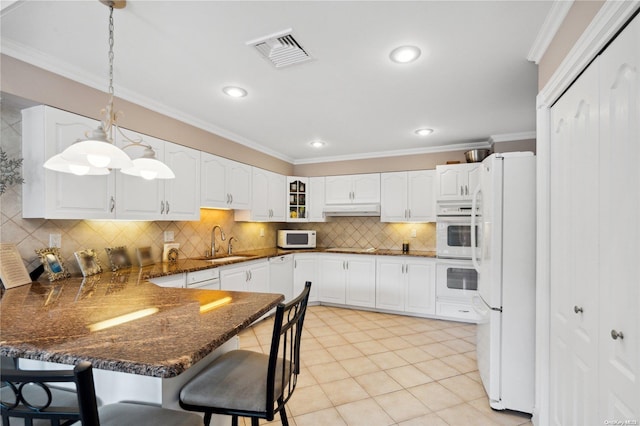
x,y
204,275
456,310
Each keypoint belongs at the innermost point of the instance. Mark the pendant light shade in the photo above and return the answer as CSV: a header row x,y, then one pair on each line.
x,y
148,167
59,164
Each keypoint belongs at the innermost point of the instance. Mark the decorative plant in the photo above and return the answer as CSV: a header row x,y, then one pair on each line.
x,y
10,171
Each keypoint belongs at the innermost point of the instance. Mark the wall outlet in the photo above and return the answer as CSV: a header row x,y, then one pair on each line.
x,y
168,236
262,232
414,233
55,240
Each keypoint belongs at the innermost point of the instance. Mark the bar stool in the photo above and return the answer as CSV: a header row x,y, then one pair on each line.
x,y
244,383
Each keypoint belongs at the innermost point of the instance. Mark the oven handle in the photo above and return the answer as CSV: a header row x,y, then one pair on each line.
x,y
474,202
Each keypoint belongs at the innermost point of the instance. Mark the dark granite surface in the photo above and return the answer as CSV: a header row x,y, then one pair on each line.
x,y
54,321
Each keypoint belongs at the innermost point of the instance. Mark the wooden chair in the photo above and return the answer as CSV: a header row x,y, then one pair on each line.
x,y
244,383
31,396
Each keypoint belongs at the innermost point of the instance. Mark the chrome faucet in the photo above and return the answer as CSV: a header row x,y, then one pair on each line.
x,y
230,246
213,239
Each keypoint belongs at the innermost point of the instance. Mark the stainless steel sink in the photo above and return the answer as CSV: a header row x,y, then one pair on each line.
x,y
227,259
352,249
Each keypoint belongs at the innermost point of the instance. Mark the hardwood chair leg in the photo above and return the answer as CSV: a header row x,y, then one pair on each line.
x,y
207,419
283,417
234,420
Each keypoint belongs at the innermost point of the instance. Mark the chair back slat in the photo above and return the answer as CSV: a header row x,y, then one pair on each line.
x,y
284,356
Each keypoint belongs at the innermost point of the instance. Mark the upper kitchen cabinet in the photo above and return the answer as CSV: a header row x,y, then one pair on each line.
x,y
225,184
47,194
160,199
268,200
456,182
315,199
297,199
352,189
408,196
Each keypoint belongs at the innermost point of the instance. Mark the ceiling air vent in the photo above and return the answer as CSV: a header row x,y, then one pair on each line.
x,y
281,49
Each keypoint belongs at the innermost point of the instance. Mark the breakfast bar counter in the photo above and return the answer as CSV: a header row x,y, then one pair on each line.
x,y
121,323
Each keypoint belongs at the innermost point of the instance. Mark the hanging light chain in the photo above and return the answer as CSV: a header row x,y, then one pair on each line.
x,y
111,51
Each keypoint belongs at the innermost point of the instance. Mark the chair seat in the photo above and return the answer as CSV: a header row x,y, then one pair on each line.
x,y
235,381
131,414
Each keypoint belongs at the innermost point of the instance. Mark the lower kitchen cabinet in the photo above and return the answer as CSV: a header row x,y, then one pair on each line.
x,y
348,279
305,268
406,284
248,276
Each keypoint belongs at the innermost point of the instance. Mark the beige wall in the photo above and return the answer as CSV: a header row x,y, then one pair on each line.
x,y
579,17
43,87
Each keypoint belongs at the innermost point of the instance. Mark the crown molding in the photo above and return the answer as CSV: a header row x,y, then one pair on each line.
x,y
509,137
549,28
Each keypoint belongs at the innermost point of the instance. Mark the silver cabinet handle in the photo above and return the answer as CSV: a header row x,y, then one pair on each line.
x,y
231,198
295,263
466,190
577,309
409,210
347,263
161,207
617,334
461,190
246,276
406,269
228,198
167,207
250,275
403,269
112,204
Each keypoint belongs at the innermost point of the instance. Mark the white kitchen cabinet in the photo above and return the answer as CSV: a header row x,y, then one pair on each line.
x,y
268,200
305,268
225,184
315,199
160,199
297,199
408,196
281,276
406,284
352,189
348,279
47,194
594,180
247,276
456,182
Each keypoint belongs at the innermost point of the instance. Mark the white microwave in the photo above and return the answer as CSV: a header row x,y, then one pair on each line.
x,y
291,239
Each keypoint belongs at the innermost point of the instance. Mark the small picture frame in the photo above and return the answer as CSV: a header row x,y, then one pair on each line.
x,y
88,262
53,264
118,257
144,256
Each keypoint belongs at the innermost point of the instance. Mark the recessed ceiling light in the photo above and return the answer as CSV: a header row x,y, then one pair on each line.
x,y
235,92
404,54
423,132
317,144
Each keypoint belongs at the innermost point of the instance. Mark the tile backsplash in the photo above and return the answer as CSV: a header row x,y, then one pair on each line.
x,y
194,237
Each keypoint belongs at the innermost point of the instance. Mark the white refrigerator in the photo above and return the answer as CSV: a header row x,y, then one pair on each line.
x,y
505,261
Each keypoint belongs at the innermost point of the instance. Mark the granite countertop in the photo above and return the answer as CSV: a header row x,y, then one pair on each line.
x,y
60,322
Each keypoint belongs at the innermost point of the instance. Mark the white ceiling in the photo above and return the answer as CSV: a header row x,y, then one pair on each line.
x,y
472,81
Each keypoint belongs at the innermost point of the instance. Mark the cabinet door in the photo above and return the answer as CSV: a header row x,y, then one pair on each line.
x,y
361,281
239,184
182,194
421,199
305,268
421,286
393,206
332,277
277,197
234,278
471,179
448,181
337,190
366,188
315,198
390,283
138,198
213,178
619,249
258,277
47,132
260,203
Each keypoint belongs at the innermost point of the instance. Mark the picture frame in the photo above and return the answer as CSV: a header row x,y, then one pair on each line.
x,y
144,256
118,257
52,263
88,262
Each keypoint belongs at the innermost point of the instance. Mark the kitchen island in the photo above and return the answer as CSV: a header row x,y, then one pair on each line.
x,y
144,341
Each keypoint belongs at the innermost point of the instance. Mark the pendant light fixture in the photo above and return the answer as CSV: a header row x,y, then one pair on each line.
x,y
97,154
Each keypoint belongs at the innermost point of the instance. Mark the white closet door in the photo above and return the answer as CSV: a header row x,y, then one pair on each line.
x,y
574,251
619,227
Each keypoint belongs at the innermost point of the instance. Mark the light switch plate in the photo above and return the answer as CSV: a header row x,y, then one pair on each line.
x,y
414,233
55,240
262,232
168,236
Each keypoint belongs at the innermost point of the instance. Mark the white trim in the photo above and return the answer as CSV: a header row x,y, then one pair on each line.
x,y
609,19
398,153
549,28
510,137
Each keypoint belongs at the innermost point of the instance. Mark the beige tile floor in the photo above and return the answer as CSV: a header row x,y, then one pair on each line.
x,y
365,368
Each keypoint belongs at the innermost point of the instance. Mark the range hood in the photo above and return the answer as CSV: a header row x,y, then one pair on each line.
x,y
352,210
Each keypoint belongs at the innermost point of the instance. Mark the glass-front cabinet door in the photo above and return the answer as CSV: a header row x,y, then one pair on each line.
x,y
297,199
